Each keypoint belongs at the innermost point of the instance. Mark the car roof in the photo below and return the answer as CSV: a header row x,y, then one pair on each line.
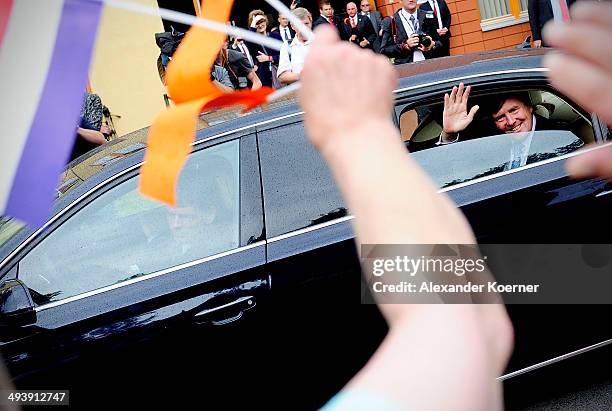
x,y
128,150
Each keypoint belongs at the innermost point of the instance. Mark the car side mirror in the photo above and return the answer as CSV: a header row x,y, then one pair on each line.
x,y
16,305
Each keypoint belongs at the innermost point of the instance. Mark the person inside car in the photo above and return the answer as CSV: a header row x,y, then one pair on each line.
x,y
510,113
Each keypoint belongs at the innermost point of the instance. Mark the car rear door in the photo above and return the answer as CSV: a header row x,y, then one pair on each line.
x,y
315,271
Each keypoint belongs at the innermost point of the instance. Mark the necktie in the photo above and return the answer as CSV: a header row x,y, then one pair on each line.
x,y
353,24
413,23
287,34
331,21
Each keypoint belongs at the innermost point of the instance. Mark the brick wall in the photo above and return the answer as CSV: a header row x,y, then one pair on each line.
x,y
466,34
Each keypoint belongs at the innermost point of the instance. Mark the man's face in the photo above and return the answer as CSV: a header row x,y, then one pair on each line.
x,y
308,23
514,117
365,6
351,9
283,21
409,5
327,10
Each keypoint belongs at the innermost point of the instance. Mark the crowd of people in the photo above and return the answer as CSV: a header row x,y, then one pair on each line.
x,y
414,33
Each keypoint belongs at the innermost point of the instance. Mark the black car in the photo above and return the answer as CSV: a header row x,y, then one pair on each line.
x,y
248,291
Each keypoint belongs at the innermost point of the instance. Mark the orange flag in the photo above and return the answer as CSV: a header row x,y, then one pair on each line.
x,y
515,8
192,90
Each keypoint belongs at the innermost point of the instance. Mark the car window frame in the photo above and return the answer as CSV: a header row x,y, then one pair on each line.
x,y
90,192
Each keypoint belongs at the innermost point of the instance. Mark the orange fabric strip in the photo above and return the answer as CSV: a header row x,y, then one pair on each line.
x,y
192,90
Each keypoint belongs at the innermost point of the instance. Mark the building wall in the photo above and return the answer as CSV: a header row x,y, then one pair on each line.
x,y
466,34
124,71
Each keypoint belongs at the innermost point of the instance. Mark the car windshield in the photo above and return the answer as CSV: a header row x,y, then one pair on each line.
x,y
471,159
8,228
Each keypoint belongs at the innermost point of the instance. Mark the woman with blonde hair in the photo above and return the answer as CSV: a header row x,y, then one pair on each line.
x,y
262,57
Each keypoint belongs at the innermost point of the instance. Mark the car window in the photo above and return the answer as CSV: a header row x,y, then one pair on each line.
x,y
299,190
122,235
480,149
452,164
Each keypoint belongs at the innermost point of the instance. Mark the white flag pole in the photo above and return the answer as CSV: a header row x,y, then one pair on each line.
x,y
183,18
301,27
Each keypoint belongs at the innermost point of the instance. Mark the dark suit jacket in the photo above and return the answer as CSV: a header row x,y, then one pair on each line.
x,y
396,35
445,16
264,70
364,29
337,22
376,19
540,12
276,34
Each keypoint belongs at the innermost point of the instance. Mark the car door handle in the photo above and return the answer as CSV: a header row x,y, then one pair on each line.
x,y
234,310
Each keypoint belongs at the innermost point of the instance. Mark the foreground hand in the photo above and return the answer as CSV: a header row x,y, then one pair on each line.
x,y
584,70
537,44
105,130
442,31
353,37
455,116
364,43
597,163
328,94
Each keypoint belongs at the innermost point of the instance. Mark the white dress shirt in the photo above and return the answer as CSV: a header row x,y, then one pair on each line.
x,y
417,55
298,52
285,34
521,142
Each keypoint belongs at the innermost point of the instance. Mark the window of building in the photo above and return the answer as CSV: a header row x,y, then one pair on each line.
x,y
495,14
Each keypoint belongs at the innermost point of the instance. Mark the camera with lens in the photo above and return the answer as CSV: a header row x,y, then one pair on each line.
x,y
424,39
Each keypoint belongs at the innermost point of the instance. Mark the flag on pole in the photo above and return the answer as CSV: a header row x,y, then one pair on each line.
x,y
45,51
190,87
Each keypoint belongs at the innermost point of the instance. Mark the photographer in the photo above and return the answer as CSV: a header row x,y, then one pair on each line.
x,y
412,36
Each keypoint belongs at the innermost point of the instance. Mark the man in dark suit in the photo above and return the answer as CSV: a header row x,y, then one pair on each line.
x,y
284,32
327,17
541,11
376,19
402,41
360,28
443,20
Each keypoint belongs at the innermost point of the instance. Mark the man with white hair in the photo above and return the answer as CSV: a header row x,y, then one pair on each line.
x,y
292,55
